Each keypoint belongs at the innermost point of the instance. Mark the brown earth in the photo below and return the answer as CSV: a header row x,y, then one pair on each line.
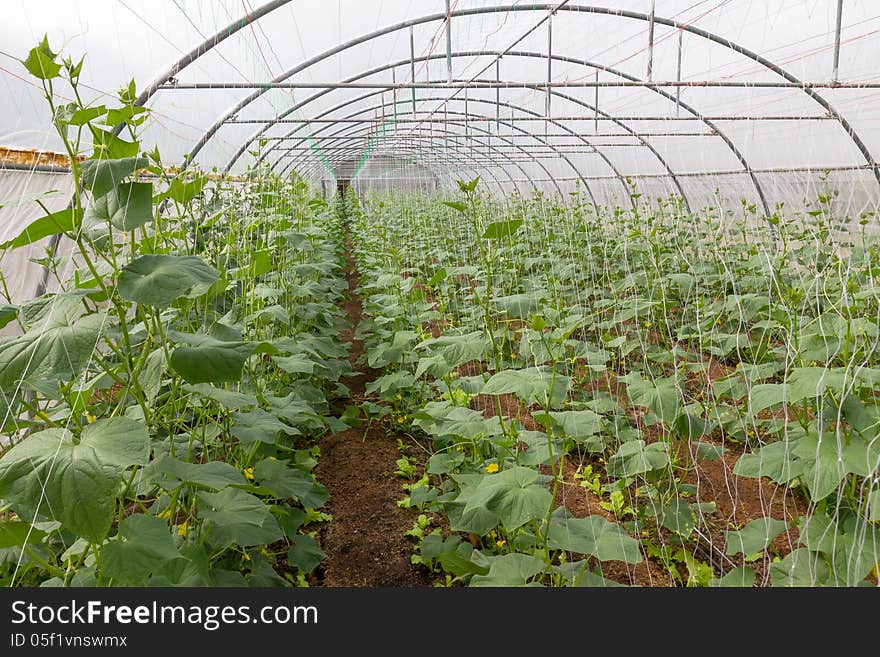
x,y
364,543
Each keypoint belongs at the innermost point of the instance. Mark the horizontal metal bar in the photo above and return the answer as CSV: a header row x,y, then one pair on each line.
x,y
484,147
38,168
539,85
508,119
517,135
699,174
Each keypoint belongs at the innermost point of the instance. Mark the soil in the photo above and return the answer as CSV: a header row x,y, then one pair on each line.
x,y
364,543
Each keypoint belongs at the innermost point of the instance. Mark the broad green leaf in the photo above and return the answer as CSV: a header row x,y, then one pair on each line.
x,y
111,147
823,467
578,573
102,176
57,345
800,568
689,427
86,114
41,62
531,385
851,545
476,519
457,349
159,280
754,537
634,457
14,533
71,482
285,482
708,451
211,361
259,426
184,191
458,565
127,207
575,424
304,553
510,570
119,441
775,461
152,374
743,577
677,515
213,474
516,495
63,221
499,229
811,382
445,462
296,364
238,517
144,546
261,262
227,398
766,395
874,505
662,396
460,207
593,536
7,314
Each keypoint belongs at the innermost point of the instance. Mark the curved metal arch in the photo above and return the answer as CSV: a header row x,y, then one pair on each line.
x,y
480,53
534,136
486,132
534,7
204,47
463,152
500,121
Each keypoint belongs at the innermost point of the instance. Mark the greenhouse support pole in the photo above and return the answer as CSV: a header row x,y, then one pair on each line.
x,y
837,29
498,94
412,66
448,42
549,63
596,105
678,75
651,41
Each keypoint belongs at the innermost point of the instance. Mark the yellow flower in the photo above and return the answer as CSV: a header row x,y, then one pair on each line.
x,y
500,543
648,324
165,514
91,418
182,528
492,468
249,473
246,556
400,419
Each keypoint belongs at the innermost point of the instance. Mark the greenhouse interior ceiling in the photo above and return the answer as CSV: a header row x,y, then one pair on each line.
x,y
752,99
440,293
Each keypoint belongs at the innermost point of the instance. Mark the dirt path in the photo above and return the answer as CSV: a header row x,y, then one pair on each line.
x,y
364,542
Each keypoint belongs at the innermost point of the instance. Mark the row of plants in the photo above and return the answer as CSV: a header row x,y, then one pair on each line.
x,y
543,344
160,409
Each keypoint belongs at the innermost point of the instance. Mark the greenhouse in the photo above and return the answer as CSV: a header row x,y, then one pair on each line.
x,y
440,293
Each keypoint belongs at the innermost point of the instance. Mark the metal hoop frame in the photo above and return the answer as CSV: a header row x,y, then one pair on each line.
x,y
542,8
